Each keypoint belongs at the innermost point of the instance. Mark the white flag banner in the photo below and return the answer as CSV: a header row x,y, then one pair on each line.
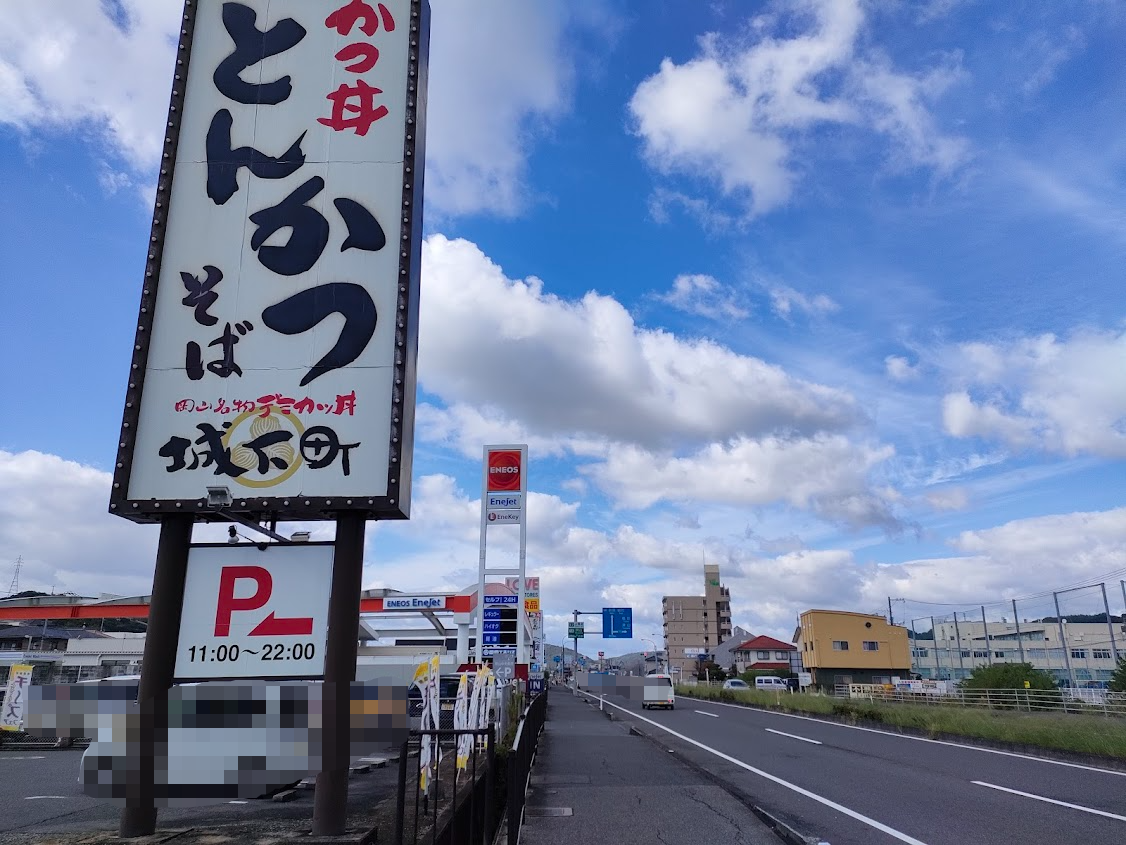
x,y
422,681
461,721
436,704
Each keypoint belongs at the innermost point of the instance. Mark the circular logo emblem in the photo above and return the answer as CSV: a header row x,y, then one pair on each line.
x,y
504,471
492,517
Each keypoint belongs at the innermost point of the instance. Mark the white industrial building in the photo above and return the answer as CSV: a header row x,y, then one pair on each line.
x,y
1074,653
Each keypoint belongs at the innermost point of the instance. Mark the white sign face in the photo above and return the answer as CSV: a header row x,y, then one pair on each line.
x,y
255,614
279,321
504,501
531,586
504,665
414,603
805,679
504,517
695,652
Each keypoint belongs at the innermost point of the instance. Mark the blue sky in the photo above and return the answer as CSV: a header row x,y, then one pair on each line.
x,y
830,293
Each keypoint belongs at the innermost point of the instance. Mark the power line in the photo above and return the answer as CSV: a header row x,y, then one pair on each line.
x,y
1093,581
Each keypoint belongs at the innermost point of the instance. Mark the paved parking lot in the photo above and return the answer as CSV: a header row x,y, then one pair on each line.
x,y
41,795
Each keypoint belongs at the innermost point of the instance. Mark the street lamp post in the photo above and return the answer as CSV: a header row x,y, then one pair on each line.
x,y
656,651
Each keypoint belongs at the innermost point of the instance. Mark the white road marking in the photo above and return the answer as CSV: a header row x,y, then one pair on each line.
x,y
921,739
20,758
890,831
791,736
238,802
1050,800
706,713
37,797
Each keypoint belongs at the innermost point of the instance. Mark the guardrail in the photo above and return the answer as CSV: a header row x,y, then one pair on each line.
x,y
520,760
1066,700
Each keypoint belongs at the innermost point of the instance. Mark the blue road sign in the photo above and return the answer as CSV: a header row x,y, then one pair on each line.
x,y
557,658
617,623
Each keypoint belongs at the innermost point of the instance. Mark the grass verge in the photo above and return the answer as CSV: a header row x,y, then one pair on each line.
x,y
1079,734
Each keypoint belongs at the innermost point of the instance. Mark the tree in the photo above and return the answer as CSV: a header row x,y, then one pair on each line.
x,y
711,670
1009,676
1118,680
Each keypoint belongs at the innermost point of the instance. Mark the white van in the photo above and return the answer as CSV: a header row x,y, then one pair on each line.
x,y
771,683
658,692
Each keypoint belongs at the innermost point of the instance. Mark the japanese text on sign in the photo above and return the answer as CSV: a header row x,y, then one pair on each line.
x,y
287,268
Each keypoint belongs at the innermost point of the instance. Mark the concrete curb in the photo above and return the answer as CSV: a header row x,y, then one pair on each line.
x,y
958,739
285,796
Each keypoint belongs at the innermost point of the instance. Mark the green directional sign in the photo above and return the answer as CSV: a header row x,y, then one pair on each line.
x,y
575,631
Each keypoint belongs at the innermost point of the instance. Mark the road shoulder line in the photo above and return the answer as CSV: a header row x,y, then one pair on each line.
x,y
793,787
1047,800
967,742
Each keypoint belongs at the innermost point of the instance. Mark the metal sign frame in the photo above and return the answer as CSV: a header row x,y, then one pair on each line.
x,y
484,572
395,504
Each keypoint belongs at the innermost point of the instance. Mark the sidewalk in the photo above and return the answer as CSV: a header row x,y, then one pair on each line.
x,y
623,789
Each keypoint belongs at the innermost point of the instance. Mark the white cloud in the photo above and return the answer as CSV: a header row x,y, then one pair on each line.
x,y
827,474
65,66
68,66
491,94
1018,558
582,369
735,113
578,566
54,514
700,294
785,301
1050,51
1064,396
948,499
900,369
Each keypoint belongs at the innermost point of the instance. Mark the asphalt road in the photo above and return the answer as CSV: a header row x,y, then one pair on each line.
x,y
40,794
852,786
624,790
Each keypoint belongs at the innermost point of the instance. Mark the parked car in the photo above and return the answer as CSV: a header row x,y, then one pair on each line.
x,y
736,683
771,683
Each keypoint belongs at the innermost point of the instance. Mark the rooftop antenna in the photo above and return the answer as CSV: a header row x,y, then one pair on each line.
x,y
15,586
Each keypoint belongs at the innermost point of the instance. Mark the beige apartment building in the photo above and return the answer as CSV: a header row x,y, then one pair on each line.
x,y
694,626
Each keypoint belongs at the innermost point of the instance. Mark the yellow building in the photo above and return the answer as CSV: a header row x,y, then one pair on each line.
x,y
839,647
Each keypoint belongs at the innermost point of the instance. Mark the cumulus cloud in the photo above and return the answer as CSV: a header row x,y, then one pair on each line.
x,y
107,67
735,113
1063,396
578,566
705,296
827,474
584,369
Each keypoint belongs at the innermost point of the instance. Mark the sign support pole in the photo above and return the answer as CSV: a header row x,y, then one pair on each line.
x,y
158,664
330,799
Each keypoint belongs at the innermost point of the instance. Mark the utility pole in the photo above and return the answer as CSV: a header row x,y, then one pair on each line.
x,y
891,618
